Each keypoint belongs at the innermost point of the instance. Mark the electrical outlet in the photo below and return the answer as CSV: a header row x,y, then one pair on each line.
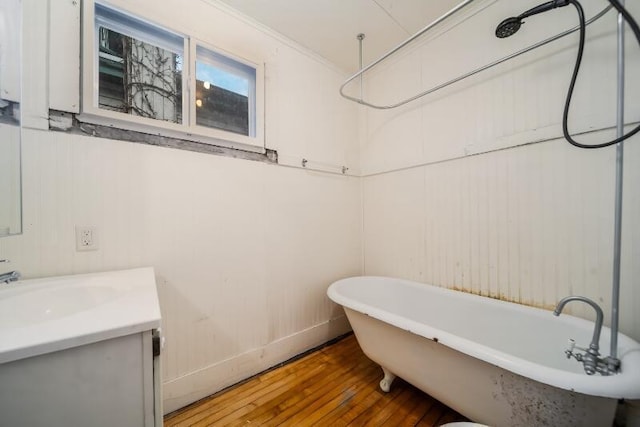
x,y
86,238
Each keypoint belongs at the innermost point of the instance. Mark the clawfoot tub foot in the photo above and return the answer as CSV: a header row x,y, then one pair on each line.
x,y
385,383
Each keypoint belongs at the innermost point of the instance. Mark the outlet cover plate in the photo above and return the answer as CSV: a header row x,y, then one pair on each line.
x,y
86,238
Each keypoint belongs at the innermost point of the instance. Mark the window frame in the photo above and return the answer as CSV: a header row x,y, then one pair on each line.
x,y
256,101
90,112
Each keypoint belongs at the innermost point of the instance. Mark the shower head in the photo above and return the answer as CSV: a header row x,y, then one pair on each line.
x,y
509,26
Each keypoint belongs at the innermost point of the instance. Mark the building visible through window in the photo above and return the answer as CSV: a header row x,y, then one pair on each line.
x,y
222,89
139,78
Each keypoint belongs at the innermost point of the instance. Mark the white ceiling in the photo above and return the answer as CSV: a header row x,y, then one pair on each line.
x,y
329,27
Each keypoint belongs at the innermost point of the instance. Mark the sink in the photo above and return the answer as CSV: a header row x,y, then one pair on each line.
x,y
40,316
81,350
46,304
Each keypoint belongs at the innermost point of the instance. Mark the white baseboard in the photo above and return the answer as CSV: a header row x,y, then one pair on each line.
x,y
207,381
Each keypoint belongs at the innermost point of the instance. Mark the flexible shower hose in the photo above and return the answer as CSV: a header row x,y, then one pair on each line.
x,y
565,117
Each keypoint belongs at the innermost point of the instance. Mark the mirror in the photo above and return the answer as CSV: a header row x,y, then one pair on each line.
x,y
10,129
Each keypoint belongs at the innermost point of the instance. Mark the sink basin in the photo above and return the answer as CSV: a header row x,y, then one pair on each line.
x,y
44,315
45,304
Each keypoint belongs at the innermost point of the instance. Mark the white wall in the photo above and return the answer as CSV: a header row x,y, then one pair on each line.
x,y
9,179
243,251
474,187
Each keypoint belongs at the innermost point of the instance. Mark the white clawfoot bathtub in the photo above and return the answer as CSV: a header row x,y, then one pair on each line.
x,y
497,363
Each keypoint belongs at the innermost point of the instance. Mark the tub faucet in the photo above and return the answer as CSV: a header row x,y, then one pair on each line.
x,y
590,359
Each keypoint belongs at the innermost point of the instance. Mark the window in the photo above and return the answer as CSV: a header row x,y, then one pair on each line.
x,y
140,76
139,67
225,93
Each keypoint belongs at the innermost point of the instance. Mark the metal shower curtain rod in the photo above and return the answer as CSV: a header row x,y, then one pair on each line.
x,y
459,78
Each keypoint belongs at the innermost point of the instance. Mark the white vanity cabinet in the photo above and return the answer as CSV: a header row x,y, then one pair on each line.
x,y
106,373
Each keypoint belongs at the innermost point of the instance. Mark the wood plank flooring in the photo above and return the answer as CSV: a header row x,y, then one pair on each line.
x,y
334,386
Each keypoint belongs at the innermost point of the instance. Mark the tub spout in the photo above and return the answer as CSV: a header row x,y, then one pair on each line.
x,y
591,358
595,341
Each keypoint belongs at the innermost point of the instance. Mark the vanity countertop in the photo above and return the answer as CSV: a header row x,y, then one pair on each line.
x,y
41,316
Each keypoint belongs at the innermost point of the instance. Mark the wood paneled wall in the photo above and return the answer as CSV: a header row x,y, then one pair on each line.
x,y
474,187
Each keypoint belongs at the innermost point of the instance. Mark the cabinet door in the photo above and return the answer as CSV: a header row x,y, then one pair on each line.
x,y
100,384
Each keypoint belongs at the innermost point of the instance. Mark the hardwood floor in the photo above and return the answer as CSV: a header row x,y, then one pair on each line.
x,y
334,386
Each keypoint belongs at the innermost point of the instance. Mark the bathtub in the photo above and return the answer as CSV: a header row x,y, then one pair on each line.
x,y
497,363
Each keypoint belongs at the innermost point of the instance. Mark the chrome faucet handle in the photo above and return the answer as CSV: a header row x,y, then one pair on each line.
x,y
591,360
572,346
569,352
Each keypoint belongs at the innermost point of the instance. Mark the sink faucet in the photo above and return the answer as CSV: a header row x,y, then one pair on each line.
x,y
591,358
10,276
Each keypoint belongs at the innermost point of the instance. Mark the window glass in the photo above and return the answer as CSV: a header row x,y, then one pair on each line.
x,y
139,67
136,70
225,93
